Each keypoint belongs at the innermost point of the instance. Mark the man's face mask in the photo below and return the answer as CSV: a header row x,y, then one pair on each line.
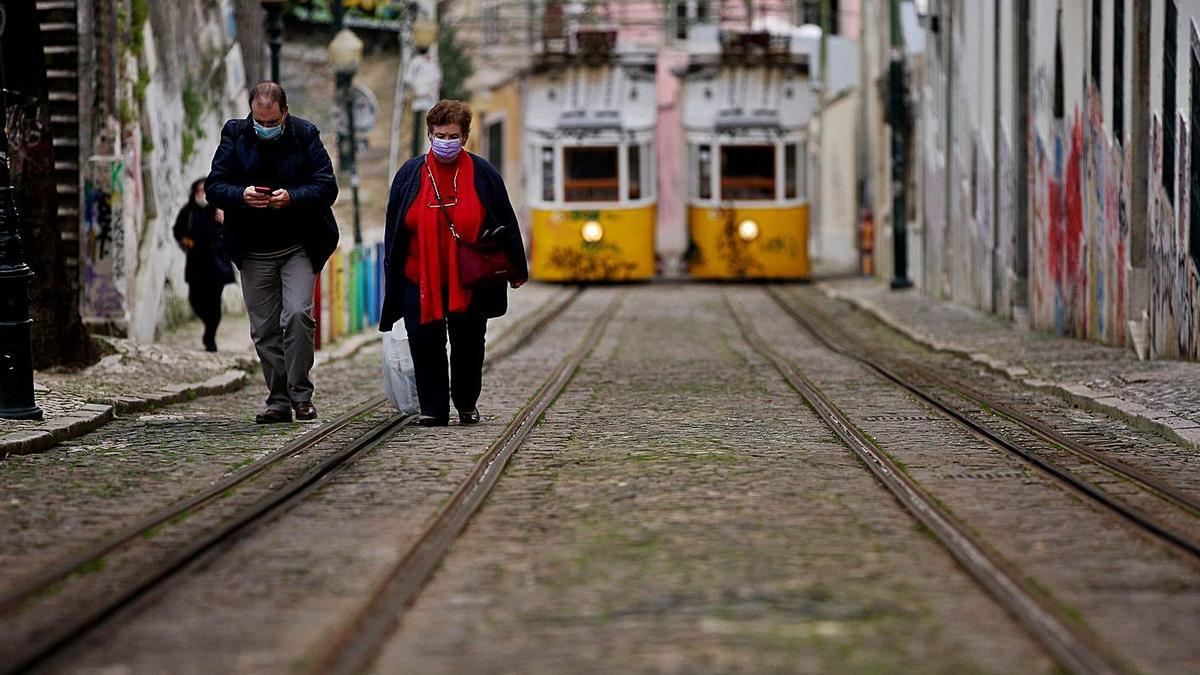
x,y
268,133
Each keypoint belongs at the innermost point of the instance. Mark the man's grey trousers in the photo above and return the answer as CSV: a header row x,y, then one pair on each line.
x,y
279,299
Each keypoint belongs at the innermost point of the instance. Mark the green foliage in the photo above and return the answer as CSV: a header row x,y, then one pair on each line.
x,y
139,13
456,64
193,109
193,105
189,144
125,113
139,87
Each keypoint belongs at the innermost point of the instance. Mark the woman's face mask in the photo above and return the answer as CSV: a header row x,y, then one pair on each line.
x,y
446,149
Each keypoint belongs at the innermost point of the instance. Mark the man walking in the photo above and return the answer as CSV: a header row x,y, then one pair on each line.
x,y
274,180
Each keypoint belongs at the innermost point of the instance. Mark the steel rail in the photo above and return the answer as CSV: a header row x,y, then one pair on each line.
x,y
1135,516
58,571
1074,650
360,639
274,502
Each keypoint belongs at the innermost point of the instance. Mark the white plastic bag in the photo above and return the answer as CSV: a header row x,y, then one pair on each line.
x,y
399,378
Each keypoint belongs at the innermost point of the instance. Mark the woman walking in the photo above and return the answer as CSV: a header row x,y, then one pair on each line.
x,y
429,194
198,231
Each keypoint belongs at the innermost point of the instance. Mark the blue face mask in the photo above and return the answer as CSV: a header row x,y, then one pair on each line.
x,y
268,133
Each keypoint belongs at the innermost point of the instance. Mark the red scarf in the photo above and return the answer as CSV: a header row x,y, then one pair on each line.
x,y
432,251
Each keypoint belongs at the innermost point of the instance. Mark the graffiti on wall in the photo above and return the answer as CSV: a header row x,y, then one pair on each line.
x,y
1107,230
104,277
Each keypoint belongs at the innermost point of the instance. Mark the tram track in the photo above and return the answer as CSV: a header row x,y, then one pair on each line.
x,y
1156,526
1073,646
360,639
274,503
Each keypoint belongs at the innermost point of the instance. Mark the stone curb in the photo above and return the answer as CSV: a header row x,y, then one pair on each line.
x,y
100,411
1177,429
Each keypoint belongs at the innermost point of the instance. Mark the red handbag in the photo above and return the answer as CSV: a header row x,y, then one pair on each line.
x,y
479,265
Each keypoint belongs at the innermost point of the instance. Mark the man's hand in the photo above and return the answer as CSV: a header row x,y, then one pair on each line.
x,y
255,199
220,216
187,243
280,198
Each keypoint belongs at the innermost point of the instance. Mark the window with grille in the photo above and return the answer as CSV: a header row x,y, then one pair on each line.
x,y
495,144
809,11
591,174
748,172
490,18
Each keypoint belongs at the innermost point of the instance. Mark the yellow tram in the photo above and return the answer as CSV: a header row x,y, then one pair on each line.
x,y
590,115
747,105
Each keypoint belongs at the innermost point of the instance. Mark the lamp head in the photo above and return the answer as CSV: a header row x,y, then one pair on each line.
x,y
345,52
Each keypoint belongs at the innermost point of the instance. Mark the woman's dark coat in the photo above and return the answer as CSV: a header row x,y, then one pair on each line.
x,y
207,262
491,301
301,166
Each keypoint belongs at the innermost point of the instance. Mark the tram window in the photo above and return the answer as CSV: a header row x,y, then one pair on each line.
x,y
548,174
635,172
748,172
789,171
591,175
704,172
802,174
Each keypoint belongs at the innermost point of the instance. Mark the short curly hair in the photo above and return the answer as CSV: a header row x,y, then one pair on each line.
x,y
448,111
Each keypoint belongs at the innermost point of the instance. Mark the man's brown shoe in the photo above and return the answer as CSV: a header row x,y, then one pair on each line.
x,y
273,416
306,411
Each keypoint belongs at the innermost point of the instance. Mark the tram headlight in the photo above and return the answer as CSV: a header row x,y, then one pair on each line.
x,y
748,230
591,232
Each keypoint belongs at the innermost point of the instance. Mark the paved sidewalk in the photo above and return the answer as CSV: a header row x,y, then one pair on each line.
x,y
135,377
1161,396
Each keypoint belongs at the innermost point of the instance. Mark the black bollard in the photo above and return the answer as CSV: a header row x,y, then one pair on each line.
x,y
16,353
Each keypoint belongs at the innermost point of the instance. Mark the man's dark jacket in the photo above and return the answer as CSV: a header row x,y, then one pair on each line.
x,y
490,301
299,164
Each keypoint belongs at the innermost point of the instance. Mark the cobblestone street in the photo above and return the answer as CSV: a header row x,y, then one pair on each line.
x,y
681,506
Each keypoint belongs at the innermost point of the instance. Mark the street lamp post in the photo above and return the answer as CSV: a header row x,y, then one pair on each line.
x,y
900,121
16,352
424,34
345,53
274,33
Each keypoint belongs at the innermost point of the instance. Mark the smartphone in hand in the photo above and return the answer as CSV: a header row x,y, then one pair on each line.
x,y
263,190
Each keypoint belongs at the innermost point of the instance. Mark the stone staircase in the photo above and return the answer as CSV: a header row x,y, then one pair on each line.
x,y
60,41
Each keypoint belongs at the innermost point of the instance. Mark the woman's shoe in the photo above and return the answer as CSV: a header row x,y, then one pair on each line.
x,y
429,421
469,416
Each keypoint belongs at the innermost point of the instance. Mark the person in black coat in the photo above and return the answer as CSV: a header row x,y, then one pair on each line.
x,y
208,269
420,269
274,180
